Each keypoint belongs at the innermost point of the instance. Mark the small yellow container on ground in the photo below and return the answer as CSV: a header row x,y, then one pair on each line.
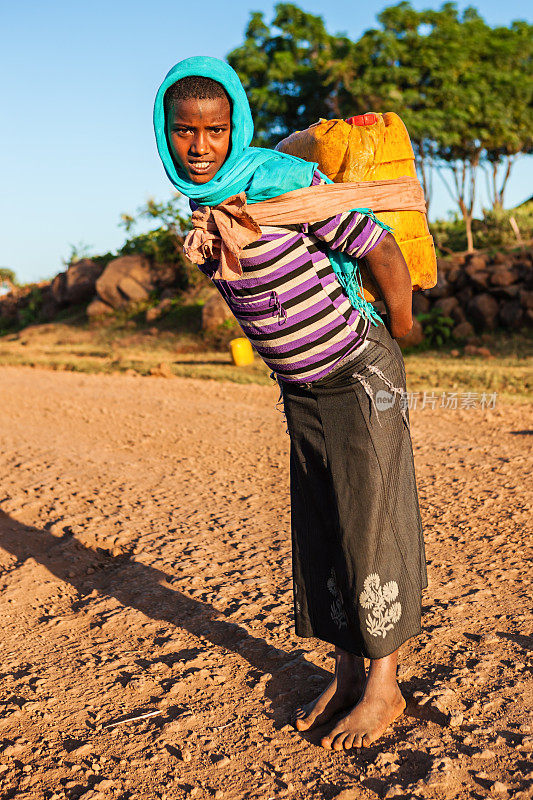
x,y
242,353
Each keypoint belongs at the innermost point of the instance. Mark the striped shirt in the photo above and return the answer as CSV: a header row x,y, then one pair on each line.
x,y
289,302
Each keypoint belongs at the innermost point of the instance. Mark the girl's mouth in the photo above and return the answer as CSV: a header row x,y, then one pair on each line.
x,y
200,167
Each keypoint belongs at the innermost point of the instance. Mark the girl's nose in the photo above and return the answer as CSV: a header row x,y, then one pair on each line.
x,y
200,145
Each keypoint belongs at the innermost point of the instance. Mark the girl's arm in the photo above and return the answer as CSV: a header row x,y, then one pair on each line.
x,y
360,237
387,266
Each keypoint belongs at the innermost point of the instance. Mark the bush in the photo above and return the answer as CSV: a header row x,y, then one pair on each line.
x,y
8,275
31,311
494,231
436,327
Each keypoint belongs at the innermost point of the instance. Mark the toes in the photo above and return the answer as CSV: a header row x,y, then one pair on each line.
x,y
348,742
302,724
338,742
326,742
367,740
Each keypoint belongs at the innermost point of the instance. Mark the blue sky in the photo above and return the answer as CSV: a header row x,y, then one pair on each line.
x,y
78,82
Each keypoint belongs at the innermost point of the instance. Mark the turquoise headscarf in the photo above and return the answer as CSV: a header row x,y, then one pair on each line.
x,y
259,172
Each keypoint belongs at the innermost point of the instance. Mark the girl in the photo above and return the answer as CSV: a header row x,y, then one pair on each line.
x,y
358,552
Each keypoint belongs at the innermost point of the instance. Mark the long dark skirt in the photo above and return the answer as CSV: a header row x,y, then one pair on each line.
x,y
358,550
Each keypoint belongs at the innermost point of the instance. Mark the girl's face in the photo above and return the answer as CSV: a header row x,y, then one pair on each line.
x,y
199,135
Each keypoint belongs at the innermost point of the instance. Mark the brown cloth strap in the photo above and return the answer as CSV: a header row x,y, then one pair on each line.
x,y
221,232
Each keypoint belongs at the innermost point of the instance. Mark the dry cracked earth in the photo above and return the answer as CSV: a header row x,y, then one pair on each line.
x,y
146,638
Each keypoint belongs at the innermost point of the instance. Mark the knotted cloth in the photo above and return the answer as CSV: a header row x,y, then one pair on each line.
x,y
221,232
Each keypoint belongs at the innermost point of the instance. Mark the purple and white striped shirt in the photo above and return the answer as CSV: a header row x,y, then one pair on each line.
x,y
289,301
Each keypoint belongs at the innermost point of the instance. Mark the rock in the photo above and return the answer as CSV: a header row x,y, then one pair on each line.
x,y
453,274
98,309
221,761
464,295
479,279
383,759
455,720
215,312
476,263
499,788
510,314
132,290
503,277
105,785
58,287
162,371
483,311
485,754
421,304
414,337
152,314
81,751
80,281
157,311
502,260
463,331
348,794
447,305
125,279
526,298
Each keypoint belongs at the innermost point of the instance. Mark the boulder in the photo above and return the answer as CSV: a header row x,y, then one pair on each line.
x,y
503,277
57,288
526,298
97,308
450,308
475,263
80,281
463,331
464,296
421,304
510,314
479,278
157,311
414,337
124,280
133,291
215,312
502,260
453,274
483,311
447,305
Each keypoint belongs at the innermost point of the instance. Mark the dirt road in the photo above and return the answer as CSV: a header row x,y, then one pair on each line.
x,y
145,567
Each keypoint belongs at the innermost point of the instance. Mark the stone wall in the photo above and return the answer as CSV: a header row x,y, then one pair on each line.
x,y
481,292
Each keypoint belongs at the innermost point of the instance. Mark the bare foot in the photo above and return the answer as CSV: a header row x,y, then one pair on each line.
x,y
365,722
380,705
344,690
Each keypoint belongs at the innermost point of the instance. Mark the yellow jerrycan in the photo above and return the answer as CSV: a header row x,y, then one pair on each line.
x,y
242,354
372,147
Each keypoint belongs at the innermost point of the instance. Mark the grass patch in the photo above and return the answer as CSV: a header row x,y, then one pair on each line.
x,y
127,344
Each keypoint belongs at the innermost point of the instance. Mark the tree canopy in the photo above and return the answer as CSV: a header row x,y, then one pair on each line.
x,y
463,88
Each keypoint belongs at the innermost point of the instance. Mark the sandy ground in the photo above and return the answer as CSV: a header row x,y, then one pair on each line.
x,y
145,567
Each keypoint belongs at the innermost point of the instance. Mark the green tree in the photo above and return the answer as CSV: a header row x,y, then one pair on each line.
x,y
8,276
286,69
463,89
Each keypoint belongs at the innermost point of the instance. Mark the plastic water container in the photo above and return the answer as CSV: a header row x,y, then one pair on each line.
x,y
242,353
371,147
